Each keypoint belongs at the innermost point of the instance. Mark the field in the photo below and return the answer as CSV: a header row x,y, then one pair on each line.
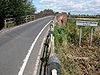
x,y
75,60
90,19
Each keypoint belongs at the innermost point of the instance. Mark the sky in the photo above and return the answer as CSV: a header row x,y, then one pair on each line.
x,y
91,7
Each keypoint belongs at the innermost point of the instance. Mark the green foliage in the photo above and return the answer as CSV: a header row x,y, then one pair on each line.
x,y
56,12
68,33
60,34
30,9
47,12
16,9
98,22
66,41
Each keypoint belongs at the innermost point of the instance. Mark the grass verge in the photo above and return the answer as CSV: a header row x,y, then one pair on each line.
x,y
77,60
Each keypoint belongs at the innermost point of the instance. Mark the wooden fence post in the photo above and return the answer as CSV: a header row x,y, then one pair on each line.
x,y
5,24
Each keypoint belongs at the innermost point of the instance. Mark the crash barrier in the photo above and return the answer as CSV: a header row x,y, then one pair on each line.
x,y
50,64
53,66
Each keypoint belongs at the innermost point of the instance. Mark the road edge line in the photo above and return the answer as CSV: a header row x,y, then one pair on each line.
x,y
38,58
30,50
39,55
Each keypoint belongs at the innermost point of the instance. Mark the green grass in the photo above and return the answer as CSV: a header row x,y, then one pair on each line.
x,y
66,33
66,44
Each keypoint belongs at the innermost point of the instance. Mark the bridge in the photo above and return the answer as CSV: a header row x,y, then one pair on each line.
x,y
21,47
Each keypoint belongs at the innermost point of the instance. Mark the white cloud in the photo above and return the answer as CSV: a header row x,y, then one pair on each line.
x,y
48,1
74,6
95,3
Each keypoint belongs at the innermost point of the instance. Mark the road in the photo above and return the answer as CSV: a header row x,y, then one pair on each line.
x,y
15,45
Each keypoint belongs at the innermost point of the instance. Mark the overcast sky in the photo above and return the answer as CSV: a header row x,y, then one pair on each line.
x,y
91,7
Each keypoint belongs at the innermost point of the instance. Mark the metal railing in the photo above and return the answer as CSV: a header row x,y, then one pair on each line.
x,y
53,66
50,64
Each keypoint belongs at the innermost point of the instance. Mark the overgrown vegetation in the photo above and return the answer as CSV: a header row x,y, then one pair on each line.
x,y
77,60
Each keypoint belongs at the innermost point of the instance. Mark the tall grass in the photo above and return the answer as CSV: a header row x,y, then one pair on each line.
x,y
68,33
67,49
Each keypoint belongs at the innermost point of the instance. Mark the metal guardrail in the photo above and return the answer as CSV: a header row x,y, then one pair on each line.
x,y
50,64
53,66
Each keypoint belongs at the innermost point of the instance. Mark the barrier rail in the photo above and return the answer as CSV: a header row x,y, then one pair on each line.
x,y
53,66
50,64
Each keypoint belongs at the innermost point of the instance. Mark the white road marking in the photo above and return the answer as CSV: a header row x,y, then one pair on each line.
x,y
38,59
30,50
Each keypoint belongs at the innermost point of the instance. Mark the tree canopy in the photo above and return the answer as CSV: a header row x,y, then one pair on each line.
x,y
16,8
47,12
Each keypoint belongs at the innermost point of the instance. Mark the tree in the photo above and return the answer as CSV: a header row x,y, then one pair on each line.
x,y
15,9
3,7
56,12
30,9
47,12
21,8
69,13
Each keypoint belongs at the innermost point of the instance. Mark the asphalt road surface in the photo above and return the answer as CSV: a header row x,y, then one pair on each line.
x,y
14,46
